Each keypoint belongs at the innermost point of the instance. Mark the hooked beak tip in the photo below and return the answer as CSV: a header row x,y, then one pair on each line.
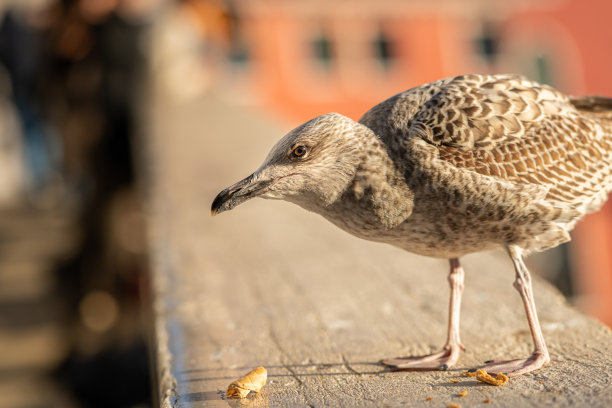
x,y
217,204
215,211
236,194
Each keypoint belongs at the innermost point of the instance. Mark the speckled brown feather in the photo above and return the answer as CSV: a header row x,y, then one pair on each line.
x,y
547,154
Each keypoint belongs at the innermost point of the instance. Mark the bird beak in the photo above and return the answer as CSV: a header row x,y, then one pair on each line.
x,y
238,193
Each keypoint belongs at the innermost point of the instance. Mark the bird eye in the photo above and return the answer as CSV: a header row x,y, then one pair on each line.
x,y
298,151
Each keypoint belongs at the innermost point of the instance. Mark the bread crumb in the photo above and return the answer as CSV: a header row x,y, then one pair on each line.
x,y
428,399
453,405
463,393
483,376
454,381
486,401
468,374
252,381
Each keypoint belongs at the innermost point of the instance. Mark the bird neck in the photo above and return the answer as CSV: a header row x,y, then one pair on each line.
x,y
379,183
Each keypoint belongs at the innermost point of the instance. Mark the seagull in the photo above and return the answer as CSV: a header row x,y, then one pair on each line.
x,y
449,168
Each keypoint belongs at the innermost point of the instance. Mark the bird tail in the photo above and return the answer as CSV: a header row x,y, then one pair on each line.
x,y
600,106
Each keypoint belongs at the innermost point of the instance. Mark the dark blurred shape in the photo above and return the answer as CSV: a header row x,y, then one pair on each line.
x,y
383,48
99,82
323,49
543,73
238,51
22,52
114,377
76,77
487,43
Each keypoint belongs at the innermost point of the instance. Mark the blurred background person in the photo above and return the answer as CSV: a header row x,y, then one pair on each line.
x,y
13,177
73,71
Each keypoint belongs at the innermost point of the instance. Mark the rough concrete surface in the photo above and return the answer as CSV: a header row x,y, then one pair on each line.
x,y
270,284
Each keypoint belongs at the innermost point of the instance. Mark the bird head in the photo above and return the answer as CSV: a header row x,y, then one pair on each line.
x,y
311,166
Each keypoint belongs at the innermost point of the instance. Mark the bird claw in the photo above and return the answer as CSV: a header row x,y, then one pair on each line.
x,y
514,368
442,360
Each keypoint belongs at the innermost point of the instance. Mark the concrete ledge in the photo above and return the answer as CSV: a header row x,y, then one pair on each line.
x,y
270,284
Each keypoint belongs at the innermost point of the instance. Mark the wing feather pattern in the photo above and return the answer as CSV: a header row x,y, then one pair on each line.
x,y
509,128
514,135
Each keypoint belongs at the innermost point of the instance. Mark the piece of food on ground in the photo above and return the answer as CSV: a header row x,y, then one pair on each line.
x,y
253,381
483,376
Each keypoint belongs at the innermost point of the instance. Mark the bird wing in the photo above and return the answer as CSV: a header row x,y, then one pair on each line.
x,y
485,111
505,127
